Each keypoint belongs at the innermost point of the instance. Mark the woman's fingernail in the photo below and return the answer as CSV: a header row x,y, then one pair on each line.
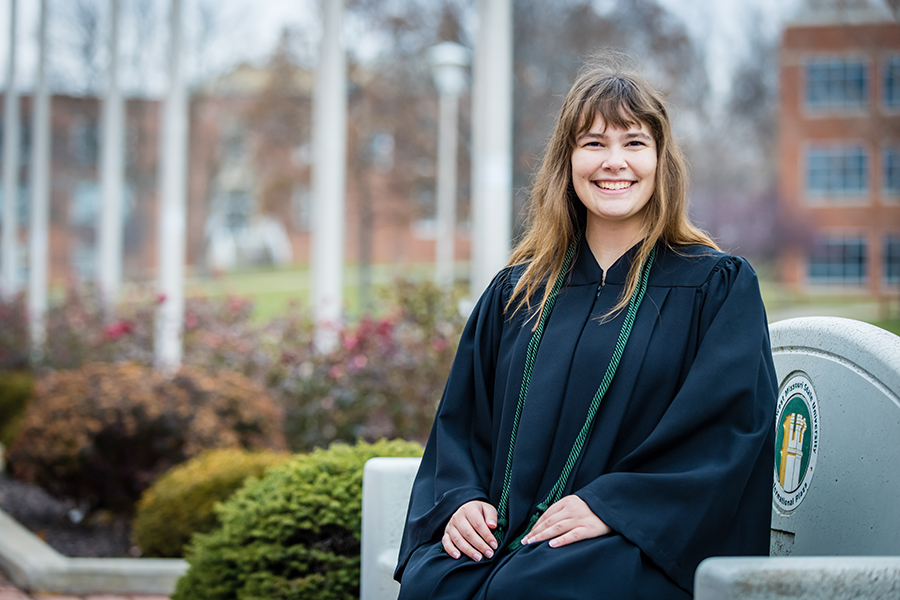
x,y
493,544
526,541
492,523
456,555
553,543
477,557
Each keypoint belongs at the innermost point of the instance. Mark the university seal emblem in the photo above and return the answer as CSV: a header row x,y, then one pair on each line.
x,y
796,441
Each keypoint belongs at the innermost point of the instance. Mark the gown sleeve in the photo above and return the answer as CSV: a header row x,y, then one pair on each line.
x,y
456,465
700,484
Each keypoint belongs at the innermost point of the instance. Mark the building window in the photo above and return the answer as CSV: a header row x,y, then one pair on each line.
x,y
85,207
892,259
836,83
892,82
85,143
891,167
838,261
837,171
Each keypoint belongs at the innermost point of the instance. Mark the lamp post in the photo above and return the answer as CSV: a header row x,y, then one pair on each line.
x,y
448,63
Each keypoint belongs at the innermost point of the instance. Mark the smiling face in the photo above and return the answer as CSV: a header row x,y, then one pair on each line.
x,y
614,174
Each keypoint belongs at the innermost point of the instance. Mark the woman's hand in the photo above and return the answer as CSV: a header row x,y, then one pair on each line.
x,y
469,531
567,521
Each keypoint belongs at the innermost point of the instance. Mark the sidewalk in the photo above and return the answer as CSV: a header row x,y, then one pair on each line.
x,y
9,592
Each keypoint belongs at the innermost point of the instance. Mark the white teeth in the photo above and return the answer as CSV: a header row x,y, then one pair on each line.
x,y
614,185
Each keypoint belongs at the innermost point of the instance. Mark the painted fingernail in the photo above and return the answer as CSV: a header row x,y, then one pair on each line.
x,y
526,541
492,523
493,544
455,555
489,554
553,543
477,557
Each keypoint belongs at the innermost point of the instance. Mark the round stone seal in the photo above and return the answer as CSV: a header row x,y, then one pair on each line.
x,y
796,441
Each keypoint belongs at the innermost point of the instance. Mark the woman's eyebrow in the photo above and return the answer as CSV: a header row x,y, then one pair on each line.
x,y
631,134
637,133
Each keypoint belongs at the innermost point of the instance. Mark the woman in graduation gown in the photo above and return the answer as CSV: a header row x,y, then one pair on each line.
x,y
608,420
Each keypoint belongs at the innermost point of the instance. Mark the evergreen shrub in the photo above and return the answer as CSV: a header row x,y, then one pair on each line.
x,y
293,535
101,434
15,391
181,501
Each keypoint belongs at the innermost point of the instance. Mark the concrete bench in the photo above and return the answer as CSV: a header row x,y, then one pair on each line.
x,y
387,483
837,498
836,526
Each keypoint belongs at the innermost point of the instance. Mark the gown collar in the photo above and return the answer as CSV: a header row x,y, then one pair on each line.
x,y
586,271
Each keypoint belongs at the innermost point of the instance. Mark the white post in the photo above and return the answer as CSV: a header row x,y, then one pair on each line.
x,y
448,61
112,175
40,195
172,192
329,176
491,143
9,233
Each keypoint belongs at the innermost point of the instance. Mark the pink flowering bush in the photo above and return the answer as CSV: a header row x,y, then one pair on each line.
x,y
385,378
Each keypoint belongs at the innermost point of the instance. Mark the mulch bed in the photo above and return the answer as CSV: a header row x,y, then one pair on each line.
x,y
98,535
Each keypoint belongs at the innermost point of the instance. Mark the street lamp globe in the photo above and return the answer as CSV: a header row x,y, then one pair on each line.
x,y
448,62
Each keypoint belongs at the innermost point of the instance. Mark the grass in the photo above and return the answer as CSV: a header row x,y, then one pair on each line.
x,y
275,291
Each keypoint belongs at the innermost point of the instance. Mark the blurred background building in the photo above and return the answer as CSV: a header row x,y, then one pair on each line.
x,y
839,152
788,112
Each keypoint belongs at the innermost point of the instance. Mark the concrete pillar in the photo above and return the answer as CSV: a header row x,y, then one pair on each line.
x,y
112,175
40,195
329,178
491,143
9,232
448,62
172,218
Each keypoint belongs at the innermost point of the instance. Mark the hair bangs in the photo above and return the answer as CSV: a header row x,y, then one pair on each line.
x,y
618,102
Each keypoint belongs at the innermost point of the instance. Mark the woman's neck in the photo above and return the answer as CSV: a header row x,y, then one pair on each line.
x,y
608,243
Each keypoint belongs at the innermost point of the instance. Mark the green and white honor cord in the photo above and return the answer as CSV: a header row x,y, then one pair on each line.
x,y
555,493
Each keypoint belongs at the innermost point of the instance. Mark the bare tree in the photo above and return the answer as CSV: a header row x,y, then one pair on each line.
x,y
557,38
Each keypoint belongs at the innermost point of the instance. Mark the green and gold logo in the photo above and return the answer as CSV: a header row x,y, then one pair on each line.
x,y
796,441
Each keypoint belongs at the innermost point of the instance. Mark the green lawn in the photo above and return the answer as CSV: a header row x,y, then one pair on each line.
x,y
274,291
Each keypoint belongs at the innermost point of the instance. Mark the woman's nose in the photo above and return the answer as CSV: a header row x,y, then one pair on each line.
x,y
614,161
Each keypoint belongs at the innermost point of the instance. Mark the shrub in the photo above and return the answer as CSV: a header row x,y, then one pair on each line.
x,y
102,433
295,534
181,501
384,379
15,391
14,336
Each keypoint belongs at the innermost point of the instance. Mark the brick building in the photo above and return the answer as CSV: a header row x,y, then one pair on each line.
x,y
248,180
839,153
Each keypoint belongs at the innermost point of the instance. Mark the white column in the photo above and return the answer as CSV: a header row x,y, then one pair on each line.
x,y
112,176
40,195
328,178
491,143
9,233
448,63
172,216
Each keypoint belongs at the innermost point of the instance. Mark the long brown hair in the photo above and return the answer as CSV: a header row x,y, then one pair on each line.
x,y
610,87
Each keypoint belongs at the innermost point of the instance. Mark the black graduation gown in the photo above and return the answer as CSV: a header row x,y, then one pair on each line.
x,y
679,459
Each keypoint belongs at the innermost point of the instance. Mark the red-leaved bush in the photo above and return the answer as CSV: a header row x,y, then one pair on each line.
x,y
101,434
